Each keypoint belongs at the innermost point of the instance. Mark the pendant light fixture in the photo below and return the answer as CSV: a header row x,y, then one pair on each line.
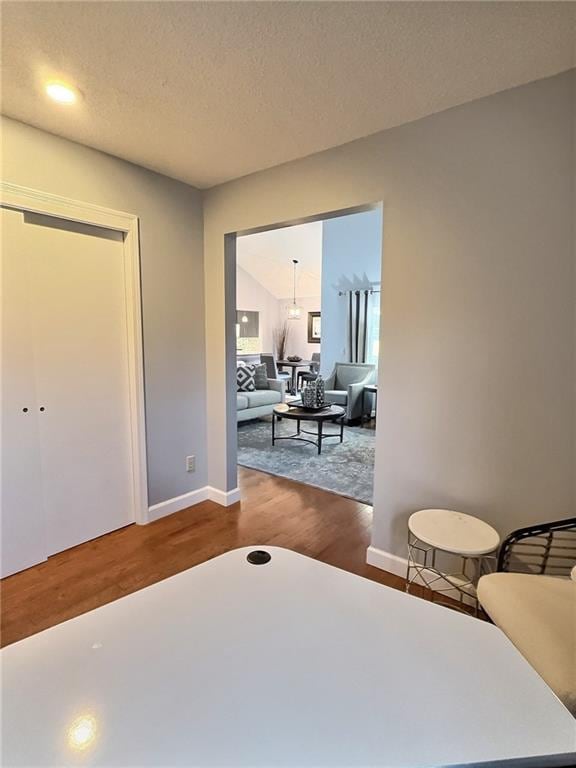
x,y
294,309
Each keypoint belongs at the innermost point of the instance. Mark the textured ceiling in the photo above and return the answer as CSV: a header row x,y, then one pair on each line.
x,y
267,256
209,91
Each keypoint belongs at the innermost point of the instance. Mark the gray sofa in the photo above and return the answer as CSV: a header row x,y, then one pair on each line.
x,y
260,402
345,385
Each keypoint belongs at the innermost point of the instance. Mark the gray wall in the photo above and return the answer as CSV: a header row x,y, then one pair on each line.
x,y
477,379
172,286
351,259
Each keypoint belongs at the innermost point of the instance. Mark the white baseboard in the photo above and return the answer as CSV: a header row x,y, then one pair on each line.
x,y
386,561
178,503
224,498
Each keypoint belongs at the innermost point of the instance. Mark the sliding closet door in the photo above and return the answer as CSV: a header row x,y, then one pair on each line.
x,y
82,378
79,326
23,540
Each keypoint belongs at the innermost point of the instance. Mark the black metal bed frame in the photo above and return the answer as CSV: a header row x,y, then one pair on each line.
x,y
547,548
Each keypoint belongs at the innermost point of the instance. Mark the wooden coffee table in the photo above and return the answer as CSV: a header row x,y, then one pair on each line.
x,y
334,414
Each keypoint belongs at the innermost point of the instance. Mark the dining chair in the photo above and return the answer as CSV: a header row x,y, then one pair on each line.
x,y
312,374
271,368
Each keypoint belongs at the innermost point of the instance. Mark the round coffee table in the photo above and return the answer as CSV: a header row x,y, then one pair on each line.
x,y
333,413
472,540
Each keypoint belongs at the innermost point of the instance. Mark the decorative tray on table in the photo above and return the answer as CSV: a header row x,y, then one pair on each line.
x,y
312,408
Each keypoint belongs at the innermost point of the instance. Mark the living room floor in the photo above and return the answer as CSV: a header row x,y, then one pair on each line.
x,y
273,511
345,468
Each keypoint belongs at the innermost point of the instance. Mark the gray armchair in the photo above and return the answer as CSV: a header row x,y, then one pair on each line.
x,y
345,385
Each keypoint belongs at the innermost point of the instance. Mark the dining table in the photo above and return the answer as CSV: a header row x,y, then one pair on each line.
x,y
294,365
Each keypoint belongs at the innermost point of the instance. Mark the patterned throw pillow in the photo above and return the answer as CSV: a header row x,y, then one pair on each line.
x,y
261,376
245,378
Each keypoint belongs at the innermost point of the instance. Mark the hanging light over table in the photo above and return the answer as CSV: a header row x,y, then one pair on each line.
x,y
294,309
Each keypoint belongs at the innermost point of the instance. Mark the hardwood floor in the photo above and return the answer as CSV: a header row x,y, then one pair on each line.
x,y
273,511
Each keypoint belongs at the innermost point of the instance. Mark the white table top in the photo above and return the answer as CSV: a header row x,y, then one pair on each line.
x,y
454,532
292,663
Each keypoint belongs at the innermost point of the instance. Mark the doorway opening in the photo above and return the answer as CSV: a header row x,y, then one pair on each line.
x,y
307,329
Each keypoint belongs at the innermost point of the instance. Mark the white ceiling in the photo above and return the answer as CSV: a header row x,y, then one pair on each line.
x,y
267,256
209,91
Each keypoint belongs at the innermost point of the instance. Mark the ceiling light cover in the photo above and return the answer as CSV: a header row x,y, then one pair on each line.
x,y
294,312
82,733
61,92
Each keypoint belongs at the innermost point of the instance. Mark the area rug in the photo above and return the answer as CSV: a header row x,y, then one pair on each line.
x,y
346,469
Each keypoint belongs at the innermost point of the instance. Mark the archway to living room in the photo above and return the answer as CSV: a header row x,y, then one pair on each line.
x,y
306,329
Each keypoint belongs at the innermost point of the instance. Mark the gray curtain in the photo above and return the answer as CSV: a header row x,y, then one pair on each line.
x,y
357,325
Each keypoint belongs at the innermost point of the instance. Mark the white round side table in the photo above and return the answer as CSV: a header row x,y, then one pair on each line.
x,y
473,541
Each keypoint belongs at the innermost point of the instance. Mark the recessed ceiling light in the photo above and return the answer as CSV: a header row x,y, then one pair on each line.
x,y
62,93
82,733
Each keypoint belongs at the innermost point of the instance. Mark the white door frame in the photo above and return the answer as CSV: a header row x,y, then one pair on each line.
x,y
25,199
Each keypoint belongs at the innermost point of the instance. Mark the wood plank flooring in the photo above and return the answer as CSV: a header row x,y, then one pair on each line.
x,y
273,511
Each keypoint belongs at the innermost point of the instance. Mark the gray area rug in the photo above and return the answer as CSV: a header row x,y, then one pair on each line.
x,y
346,469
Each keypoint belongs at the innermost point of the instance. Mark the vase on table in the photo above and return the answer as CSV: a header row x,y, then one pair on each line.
x,y
320,391
313,394
308,396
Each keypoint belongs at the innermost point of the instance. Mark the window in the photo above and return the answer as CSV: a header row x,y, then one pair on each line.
x,y
247,331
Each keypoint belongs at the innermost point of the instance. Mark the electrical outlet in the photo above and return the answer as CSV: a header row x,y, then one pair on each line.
x,y
190,463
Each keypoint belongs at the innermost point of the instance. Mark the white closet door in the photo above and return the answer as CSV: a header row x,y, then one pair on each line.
x,y
78,301
82,379
22,522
